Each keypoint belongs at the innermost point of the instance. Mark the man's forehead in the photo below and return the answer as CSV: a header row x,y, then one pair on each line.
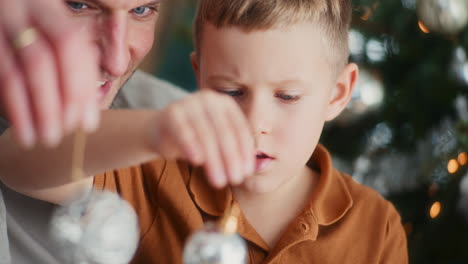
x,y
123,4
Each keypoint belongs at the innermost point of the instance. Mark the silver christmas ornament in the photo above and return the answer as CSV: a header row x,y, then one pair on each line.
x,y
216,243
461,105
96,228
443,16
210,246
463,202
368,96
459,66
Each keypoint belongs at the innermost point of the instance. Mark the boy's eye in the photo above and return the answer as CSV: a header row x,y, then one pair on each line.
x,y
233,93
77,6
286,97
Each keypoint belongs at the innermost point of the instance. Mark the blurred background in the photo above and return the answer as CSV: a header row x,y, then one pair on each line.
x,y
405,130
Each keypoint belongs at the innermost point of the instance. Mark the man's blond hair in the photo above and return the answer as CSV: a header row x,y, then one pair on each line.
x,y
333,18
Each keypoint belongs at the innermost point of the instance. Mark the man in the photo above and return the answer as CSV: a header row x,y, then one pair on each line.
x,y
122,32
27,219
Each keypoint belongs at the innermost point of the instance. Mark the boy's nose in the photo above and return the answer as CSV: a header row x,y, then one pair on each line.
x,y
258,114
115,53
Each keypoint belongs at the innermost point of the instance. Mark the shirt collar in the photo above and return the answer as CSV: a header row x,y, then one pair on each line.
x,y
329,203
210,200
332,198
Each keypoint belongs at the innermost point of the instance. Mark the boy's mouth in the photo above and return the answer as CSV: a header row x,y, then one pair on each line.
x,y
104,88
262,162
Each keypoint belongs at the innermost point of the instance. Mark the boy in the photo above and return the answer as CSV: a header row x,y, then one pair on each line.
x,y
284,63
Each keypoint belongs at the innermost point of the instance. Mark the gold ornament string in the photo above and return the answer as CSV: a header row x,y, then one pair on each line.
x,y
78,155
229,222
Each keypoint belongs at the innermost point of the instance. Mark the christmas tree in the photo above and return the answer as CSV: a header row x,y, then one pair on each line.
x,y
408,118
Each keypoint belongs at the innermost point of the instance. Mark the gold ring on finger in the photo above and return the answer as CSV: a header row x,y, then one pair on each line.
x,y
25,38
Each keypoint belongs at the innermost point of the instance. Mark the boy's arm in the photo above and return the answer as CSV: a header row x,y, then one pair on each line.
x,y
205,128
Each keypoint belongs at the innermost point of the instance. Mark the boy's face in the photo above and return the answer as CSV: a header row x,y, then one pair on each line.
x,y
284,85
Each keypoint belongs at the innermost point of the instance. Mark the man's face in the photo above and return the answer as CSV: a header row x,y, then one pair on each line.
x,y
123,31
284,85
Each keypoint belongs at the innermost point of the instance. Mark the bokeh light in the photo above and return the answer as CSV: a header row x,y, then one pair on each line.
x,y
435,210
452,166
462,158
423,27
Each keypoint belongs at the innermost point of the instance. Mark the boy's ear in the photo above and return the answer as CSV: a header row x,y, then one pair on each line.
x,y
196,68
342,91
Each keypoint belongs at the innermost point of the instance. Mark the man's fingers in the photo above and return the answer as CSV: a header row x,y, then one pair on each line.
x,y
77,64
37,42
206,135
245,141
226,139
13,92
181,128
79,79
56,67
17,109
209,129
40,71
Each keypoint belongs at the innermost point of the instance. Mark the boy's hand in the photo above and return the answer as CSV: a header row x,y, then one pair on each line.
x,y
207,129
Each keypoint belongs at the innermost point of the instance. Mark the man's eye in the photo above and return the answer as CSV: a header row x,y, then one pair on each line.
x,y
77,6
286,97
143,10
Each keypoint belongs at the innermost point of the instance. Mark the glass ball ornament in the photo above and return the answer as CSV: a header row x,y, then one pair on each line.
x,y
459,66
368,96
443,16
216,244
97,228
463,200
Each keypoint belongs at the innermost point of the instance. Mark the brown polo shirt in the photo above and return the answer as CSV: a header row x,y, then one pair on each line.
x,y
345,222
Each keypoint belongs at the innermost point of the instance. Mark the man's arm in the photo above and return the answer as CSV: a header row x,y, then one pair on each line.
x,y
206,129
119,142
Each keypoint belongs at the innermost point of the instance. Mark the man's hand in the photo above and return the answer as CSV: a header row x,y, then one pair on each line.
x,y
207,129
48,71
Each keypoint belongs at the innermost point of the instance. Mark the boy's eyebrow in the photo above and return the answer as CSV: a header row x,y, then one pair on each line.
x,y
288,82
224,78
280,83
220,78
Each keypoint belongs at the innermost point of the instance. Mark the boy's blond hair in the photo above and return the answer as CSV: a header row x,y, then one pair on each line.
x,y
332,16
